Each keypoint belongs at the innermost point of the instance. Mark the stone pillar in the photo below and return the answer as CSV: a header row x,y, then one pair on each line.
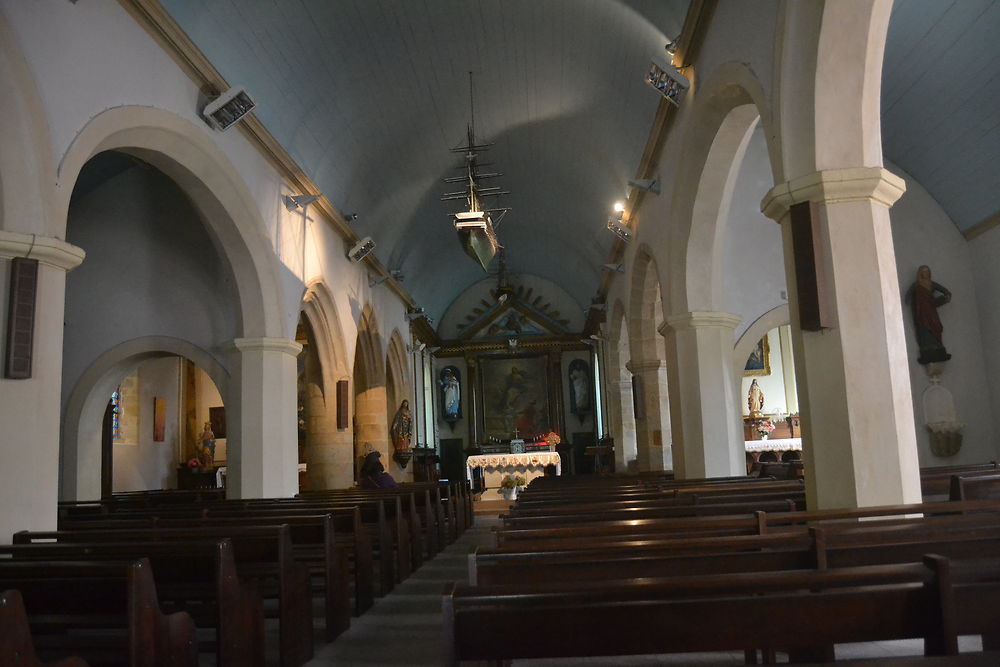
x,y
264,462
30,408
371,423
622,425
652,430
858,434
708,441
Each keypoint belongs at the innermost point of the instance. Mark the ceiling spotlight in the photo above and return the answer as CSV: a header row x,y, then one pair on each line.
x,y
363,248
415,314
618,229
647,185
617,268
372,282
228,108
670,47
298,201
351,217
667,80
619,207
397,275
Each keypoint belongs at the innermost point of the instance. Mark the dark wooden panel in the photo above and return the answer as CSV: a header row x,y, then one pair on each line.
x,y
21,318
342,404
810,278
638,399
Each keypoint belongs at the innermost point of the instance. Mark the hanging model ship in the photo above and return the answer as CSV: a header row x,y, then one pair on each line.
x,y
476,225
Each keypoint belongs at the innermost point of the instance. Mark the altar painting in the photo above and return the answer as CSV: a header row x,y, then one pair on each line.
x,y
515,397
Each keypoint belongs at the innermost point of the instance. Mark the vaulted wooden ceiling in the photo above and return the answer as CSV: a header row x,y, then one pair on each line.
x,y
368,96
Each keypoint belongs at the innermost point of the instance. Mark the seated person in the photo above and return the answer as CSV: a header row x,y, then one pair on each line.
x,y
373,474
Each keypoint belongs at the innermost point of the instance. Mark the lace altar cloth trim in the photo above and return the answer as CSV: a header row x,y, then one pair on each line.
x,y
776,445
526,459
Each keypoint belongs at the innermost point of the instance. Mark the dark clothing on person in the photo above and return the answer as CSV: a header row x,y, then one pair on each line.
x,y
373,474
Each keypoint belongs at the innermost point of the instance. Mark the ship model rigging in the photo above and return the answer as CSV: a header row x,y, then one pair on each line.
x,y
476,225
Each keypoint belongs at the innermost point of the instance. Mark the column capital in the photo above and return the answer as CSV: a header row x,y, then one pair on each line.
x,y
46,249
636,366
699,319
285,345
876,184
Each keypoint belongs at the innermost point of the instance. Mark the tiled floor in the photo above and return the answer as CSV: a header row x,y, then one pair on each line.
x,y
404,628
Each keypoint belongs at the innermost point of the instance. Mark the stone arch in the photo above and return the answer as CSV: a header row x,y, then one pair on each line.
x,y
828,95
26,165
80,458
328,449
619,382
648,364
726,111
370,419
775,317
645,306
185,153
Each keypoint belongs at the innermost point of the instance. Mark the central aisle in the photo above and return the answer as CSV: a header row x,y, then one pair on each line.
x,y
404,628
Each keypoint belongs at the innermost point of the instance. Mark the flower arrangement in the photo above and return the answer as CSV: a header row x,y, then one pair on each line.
x,y
764,427
194,462
552,439
512,481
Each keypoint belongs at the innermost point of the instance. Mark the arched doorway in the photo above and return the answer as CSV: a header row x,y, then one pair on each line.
x,y
154,273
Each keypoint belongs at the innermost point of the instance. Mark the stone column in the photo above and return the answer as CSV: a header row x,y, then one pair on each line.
x,y
708,442
622,425
264,462
858,432
653,429
30,408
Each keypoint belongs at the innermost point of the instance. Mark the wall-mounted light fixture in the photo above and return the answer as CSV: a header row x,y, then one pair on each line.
x,y
228,108
415,314
647,184
616,226
293,202
372,282
667,79
362,249
617,268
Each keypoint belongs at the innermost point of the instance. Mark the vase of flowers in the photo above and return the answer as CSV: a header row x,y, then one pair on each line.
x,y
510,485
764,428
552,439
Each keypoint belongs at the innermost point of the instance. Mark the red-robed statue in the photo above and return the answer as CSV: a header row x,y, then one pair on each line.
x,y
925,296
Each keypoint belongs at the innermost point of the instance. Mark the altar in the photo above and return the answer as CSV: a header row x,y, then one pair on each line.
x,y
495,466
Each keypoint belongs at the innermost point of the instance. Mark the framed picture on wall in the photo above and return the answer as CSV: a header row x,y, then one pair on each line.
x,y
218,418
515,396
759,362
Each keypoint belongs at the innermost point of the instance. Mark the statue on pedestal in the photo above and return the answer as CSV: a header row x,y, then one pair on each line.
x,y
755,399
925,296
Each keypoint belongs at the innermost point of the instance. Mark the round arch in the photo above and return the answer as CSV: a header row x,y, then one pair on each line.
x,y
646,310
26,165
185,153
775,317
725,113
80,458
620,389
828,94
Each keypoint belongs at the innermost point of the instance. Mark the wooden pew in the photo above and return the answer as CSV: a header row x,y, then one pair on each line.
x,y
105,612
821,548
198,577
975,487
382,533
16,647
264,555
795,610
936,481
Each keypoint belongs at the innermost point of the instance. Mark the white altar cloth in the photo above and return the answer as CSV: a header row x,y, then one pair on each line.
x,y
529,465
774,445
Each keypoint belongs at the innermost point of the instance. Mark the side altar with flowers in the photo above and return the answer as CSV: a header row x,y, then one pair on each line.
x,y
517,459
